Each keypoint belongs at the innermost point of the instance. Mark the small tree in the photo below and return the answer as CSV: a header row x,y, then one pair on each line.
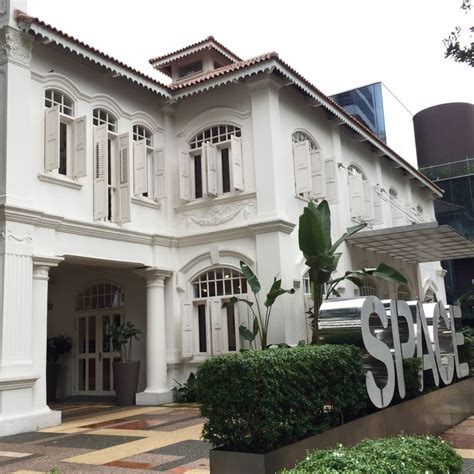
x,y
121,336
261,319
322,259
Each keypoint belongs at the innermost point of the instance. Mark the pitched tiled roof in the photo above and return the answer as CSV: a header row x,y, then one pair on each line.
x,y
196,46
22,17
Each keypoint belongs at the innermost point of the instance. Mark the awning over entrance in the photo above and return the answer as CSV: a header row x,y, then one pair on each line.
x,y
418,243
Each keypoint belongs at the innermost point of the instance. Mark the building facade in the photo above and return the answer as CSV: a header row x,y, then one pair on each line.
x,y
124,199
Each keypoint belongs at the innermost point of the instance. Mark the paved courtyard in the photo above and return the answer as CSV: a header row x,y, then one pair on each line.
x,y
105,438
462,438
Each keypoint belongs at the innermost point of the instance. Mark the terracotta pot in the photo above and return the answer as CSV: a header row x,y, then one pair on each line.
x,y
126,381
52,378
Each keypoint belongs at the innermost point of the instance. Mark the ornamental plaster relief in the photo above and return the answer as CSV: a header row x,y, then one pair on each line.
x,y
15,47
219,213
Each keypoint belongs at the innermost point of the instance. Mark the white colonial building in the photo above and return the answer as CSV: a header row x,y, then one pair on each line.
x,y
126,199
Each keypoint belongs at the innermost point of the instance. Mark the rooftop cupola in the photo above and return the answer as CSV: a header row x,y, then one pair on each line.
x,y
193,60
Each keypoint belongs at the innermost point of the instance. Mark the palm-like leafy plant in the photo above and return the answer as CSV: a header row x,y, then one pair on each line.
x,y
261,318
322,259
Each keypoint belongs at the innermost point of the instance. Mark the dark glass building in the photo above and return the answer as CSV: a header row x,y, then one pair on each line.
x,y
445,147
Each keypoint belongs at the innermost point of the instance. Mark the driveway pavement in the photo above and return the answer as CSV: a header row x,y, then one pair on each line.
x,y
104,438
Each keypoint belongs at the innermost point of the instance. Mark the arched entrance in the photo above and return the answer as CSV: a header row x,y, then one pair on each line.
x,y
97,307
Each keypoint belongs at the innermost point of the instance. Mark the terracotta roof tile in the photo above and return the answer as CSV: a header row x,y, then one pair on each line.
x,y
21,16
196,45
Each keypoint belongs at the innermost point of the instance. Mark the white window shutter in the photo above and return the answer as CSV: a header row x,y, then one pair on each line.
x,y
356,195
215,311
140,167
378,215
159,173
80,147
209,156
184,181
399,218
101,152
368,202
237,166
51,138
302,166
317,174
124,177
330,170
187,330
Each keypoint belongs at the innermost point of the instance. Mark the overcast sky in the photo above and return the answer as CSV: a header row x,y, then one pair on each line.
x,y
337,45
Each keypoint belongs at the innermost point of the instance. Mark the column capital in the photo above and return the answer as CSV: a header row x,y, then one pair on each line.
x,y
42,264
154,276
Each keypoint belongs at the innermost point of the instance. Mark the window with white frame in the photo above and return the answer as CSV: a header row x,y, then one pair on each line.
x,y
149,180
111,169
399,217
315,177
368,287
65,136
208,327
213,164
361,195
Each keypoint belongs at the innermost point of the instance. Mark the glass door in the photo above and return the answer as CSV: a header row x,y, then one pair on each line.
x,y
95,354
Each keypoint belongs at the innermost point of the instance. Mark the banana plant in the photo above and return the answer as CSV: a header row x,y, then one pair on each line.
x,y
261,318
321,257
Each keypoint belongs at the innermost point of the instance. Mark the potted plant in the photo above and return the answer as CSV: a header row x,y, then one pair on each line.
x,y
56,346
125,371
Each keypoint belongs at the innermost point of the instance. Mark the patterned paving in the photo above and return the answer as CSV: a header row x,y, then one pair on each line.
x,y
101,437
462,439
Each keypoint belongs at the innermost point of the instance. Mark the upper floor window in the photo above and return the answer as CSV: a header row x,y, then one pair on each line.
x,y
54,97
65,137
315,177
190,68
403,293
103,117
140,132
368,287
399,217
213,166
362,196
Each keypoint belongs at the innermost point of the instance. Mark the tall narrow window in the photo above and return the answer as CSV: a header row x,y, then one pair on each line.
x,y
144,166
218,169
201,308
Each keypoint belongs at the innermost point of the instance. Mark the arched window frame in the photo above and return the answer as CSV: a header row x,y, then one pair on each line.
x,y
142,132
91,297
403,293
55,97
102,116
212,166
362,195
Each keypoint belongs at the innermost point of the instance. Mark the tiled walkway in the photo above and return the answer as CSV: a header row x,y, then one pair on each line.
x,y
104,438
462,438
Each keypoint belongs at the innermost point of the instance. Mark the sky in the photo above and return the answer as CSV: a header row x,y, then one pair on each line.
x,y
336,45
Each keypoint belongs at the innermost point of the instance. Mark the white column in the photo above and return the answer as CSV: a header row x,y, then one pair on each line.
x,y
157,391
41,266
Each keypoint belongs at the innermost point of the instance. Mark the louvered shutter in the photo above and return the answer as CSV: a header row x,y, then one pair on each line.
x,y
368,202
124,177
237,167
187,330
51,138
378,215
399,218
331,180
184,181
302,166
159,173
209,156
140,167
215,311
80,147
100,171
356,194
317,174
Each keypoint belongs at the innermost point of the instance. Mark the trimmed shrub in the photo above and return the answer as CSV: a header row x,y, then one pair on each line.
x,y
257,401
346,336
407,454
411,373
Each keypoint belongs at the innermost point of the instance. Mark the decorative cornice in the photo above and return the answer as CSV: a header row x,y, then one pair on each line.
x,y
15,47
218,214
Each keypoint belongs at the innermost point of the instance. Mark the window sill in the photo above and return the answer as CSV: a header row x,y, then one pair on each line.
x,y
146,202
209,201
54,178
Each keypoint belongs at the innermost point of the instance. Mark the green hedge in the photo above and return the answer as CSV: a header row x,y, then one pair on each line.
x,y
257,401
400,454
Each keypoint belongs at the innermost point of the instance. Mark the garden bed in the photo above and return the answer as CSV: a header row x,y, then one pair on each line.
x,y
433,413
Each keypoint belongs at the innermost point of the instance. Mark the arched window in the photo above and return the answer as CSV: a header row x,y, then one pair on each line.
x,y
216,328
148,165
102,116
60,154
53,97
361,195
140,132
430,296
403,293
393,193
398,216
100,296
299,137
368,287
214,163
355,170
